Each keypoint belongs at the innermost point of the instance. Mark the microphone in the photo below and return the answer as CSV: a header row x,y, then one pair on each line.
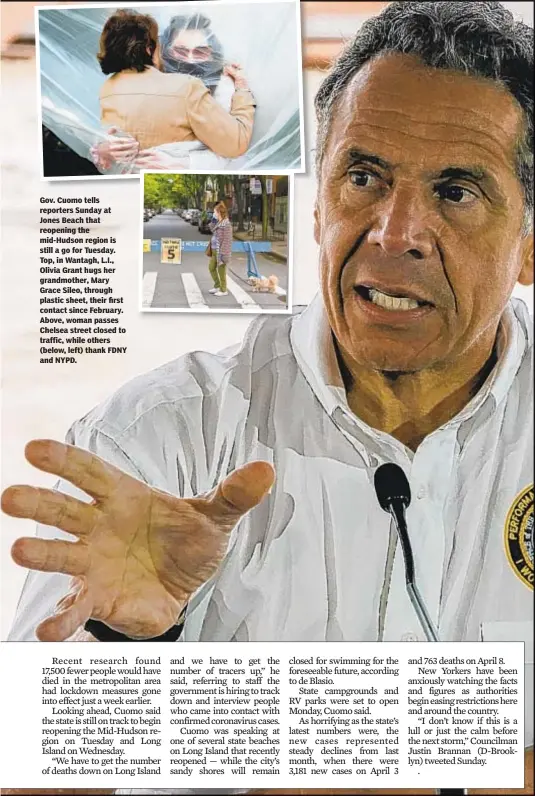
x,y
394,495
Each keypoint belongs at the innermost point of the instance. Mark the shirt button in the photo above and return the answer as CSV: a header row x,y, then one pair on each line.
x,y
409,637
422,492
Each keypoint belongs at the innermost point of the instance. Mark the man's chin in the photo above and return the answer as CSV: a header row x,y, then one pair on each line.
x,y
391,362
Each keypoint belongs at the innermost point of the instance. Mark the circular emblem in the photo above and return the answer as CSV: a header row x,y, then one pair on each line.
x,y
519,536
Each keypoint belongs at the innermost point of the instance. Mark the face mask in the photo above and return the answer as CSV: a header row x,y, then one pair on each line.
x,y
205,62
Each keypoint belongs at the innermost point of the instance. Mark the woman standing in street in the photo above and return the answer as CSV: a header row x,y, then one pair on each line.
x,y
221,246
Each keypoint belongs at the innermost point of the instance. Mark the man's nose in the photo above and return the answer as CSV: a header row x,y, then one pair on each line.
x,y
403,224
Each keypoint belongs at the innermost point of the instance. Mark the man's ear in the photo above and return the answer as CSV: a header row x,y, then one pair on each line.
x,y
317,224
526,276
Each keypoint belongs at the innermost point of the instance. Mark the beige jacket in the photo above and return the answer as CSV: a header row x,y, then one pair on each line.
x,y
161,108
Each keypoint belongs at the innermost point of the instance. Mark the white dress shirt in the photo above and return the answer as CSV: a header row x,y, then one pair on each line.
x,y
312,562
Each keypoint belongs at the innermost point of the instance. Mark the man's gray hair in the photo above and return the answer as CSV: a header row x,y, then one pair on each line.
x,y
481,39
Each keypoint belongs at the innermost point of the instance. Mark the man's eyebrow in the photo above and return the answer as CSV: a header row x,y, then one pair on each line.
x,y
477,173
464,173
357,156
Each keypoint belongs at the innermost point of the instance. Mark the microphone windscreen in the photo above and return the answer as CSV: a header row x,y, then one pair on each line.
x,y
391,484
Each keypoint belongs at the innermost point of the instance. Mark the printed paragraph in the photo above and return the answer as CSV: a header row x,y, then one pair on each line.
x,y
461,706
345,724
80,312
268,715
97,713
228,711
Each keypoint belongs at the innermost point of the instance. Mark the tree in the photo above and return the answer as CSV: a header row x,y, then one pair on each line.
x,y
221,187
164,190
152,191
196,186
239,201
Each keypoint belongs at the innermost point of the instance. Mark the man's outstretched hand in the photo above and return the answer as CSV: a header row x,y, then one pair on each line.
x,y
140,553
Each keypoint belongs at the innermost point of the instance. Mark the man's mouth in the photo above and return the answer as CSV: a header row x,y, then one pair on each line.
x,y
389,301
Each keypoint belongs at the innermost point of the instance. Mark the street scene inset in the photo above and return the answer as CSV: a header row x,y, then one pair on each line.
x,y
215,242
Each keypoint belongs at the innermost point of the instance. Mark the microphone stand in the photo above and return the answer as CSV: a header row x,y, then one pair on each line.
x,y
397,510
394,500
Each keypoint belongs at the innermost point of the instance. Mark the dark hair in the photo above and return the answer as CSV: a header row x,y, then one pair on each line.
x,y
481,39
128,41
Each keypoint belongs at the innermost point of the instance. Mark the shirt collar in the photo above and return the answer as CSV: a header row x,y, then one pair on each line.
x,y
312,343
313,346
513,340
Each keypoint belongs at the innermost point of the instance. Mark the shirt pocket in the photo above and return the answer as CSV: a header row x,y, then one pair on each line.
x,y
517,631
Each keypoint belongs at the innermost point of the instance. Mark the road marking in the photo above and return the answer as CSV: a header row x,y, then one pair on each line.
x,y
149,286
193,292
279,291
243,298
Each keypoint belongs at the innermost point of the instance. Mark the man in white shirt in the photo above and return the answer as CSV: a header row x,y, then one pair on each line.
x,y
414,354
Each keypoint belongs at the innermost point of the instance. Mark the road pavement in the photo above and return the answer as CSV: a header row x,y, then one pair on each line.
x,y
186,286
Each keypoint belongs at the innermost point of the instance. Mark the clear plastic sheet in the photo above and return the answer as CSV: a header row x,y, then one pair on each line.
x,y
262,38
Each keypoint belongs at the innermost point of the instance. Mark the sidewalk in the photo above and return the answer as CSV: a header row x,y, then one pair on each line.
x,y
279,249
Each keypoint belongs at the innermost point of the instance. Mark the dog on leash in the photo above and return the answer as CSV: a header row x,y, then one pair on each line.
x,y
264,284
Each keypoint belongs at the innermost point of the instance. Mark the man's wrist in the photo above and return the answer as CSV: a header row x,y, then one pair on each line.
x,y
104,633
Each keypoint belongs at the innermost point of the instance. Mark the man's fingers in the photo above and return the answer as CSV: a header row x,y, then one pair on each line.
x,y
50,508
74,611
66,602
241,491
51,555
81,468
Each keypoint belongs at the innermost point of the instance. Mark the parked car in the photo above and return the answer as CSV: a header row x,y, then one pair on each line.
x,y
195,216
204,222
186,215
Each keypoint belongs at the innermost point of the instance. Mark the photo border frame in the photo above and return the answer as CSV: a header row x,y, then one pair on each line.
x,y
175,6
287,310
